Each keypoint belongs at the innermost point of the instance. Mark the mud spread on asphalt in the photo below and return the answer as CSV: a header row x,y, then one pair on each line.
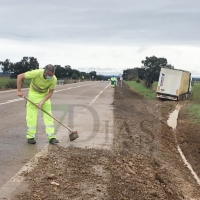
x,y
143,164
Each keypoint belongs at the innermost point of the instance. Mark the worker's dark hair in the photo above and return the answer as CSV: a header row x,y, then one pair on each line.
x,y
49,68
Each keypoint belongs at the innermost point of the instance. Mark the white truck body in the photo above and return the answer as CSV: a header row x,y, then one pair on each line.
x,y
173,84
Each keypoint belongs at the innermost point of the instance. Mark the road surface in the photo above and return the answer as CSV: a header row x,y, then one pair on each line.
x,y
84,106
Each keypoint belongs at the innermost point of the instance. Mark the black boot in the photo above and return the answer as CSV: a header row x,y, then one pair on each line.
x,y
31,141
53,141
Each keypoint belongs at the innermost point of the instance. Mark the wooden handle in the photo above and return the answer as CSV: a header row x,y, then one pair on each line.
x,y
49,114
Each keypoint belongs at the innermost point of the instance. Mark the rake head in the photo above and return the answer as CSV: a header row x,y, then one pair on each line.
x,y
73,135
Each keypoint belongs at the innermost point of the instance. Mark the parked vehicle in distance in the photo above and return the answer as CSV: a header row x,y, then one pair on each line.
x,y
174,84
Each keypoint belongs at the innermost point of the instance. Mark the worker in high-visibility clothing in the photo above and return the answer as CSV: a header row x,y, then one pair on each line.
x,y
112,81
43,83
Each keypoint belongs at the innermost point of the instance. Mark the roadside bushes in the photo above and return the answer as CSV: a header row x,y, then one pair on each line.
x,y
11,84
138,80
68,81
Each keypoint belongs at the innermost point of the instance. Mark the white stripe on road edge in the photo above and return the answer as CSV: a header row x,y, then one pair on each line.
x,y
13,90
75,87
98,95
28,88
19,99
7,190
10,187
188,165
85,109
11,101
95,98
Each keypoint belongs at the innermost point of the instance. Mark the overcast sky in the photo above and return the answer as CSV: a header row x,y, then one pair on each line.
x,y
102,35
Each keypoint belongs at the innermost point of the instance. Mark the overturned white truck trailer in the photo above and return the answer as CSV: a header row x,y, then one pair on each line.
x,y
174,84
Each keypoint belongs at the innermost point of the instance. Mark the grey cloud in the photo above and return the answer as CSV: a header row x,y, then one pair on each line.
x,y
195,73
101,70
98,68
94,56
116,22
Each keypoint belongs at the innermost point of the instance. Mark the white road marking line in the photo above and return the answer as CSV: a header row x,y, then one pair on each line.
x,y
11,101
13,90
28,88
75,87
98,95
84,110
15,100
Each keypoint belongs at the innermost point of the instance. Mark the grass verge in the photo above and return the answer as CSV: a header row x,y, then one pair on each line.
x,y
7,83
148,93
193,109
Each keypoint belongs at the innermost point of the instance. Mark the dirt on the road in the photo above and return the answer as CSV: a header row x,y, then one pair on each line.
x,y
143,164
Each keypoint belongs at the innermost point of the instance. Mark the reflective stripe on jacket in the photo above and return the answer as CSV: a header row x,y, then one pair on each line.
x,y
38,89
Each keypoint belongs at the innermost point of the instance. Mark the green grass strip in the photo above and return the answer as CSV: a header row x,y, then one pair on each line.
x,y
148,93
6,80
196,92
193,111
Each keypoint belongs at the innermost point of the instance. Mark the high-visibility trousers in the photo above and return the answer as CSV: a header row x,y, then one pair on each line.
x,y
32,115
112,83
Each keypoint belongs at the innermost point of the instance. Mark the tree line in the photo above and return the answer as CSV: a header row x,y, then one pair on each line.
x,y
149,72
31,63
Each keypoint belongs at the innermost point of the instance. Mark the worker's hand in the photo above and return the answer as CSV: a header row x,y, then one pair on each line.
x,y
20,94
39,106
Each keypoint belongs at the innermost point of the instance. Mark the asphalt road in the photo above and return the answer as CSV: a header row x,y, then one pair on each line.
x,y
85,106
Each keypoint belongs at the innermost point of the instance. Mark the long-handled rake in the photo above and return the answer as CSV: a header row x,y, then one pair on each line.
x,y
73,134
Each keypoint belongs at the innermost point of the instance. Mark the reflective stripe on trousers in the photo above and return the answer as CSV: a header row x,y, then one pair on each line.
x,y
32,131
31,119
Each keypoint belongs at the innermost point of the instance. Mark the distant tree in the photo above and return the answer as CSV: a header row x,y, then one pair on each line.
x,y
33,63
132,74
141,73
60,72
26,64
7,66
126,74
152,66
100,77
76,74
69,71
93,74
86,75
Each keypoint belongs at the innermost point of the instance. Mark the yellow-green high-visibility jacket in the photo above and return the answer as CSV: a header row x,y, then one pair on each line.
x,y
112,79
39,86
